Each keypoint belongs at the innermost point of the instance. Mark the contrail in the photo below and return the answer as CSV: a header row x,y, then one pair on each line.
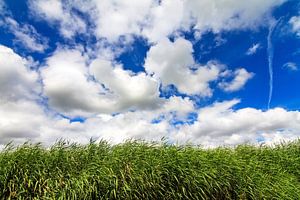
x,y
270,58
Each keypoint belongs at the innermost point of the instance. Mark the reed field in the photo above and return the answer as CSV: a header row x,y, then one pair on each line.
x,y
143,170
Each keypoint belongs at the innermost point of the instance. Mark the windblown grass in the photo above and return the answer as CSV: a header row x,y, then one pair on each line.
x,y
139,170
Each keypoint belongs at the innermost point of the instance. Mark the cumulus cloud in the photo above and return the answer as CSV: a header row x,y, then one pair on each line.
x,y
221,124
252,50
114,19
228,15
164,19
16,79
152,19
56,12
76,88
171,62
119,104
295,23
19,89
241,76
24,118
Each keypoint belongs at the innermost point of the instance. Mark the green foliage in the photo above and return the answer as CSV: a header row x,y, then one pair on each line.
x,y
140,170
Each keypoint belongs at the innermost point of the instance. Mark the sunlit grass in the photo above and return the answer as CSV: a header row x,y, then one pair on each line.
x,y
140,170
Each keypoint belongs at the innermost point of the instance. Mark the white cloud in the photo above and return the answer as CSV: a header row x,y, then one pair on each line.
x,y
291,66
132,90
171,62
26,35
252,50
75,88
22,118
19,88
56,12
220,124
114,19
66,84
16,80
120,104
164,19
153,19
241,76
295,22
228,15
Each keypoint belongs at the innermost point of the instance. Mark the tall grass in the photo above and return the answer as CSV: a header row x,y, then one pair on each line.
x,y
140,170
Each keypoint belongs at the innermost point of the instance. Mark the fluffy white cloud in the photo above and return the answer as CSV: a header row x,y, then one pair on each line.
x,y
120,104
16,79
295,22
221,124
19,88
153,19
66,84
164,19
131,90
56,12
75,88
171,62
241,76
218,15
114,19
23,118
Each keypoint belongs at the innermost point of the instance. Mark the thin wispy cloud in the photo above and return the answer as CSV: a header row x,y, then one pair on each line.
x,y
270,50
253,49
290,66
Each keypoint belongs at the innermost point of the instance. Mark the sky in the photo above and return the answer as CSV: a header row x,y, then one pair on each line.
x,y
205,72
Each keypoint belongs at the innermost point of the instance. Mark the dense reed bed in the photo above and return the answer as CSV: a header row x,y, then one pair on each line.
x,y
140,170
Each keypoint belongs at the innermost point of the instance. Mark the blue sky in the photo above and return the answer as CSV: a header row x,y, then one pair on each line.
x,y
197,71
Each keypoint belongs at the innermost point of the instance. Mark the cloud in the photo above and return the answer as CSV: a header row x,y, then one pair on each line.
x,y
120,18
164,19
171,62
290,66
221,124
24,118
132,90
241,76
19,88
16,79
295,23
56,12
99,87
252,50
229,15
150,18
119,104
26,35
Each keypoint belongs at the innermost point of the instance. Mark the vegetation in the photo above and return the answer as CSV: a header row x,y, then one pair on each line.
x,y
140,170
